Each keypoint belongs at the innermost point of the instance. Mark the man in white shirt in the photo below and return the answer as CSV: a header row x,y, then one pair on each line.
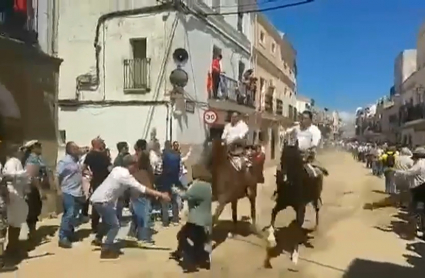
x,y
416,175
105,197
235,133
308,137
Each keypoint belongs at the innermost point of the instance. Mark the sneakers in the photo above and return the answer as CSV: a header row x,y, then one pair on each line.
x,y
96,242
146,244
65,243
109,254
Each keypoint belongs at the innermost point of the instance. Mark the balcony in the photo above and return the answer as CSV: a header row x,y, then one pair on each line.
x,y
279,107
268,103
137,75
409,113
18,22
236,92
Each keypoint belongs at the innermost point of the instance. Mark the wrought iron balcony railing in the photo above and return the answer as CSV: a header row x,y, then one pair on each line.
x,y
236,91
137,75
408,113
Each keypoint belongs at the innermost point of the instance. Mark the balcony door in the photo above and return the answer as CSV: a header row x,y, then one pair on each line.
x,y
139,49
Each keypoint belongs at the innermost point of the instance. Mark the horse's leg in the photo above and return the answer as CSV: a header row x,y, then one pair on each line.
x,y
234,206
317,205
271,239
218,211
252,194
300,221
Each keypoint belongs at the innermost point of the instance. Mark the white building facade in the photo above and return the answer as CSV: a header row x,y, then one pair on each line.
x,y
303,103
118,57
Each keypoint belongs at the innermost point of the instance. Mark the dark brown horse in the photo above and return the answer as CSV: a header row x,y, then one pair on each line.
x,y
297,191
229,184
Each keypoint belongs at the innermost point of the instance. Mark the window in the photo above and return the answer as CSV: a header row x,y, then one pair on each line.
x,y
136,70
262,37
240,22
216,5
279,107
273,47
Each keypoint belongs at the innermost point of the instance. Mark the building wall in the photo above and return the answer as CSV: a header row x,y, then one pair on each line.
x,y
404,66
302,104
167,31
421,48
275,64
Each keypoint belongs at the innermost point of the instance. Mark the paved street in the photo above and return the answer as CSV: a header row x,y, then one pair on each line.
x,y
352,242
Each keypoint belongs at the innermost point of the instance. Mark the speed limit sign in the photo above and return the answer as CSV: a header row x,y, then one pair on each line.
x,y
210,117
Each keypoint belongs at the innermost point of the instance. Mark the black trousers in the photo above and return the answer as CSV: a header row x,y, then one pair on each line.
x,y
35,205
418,194
193,253
215,76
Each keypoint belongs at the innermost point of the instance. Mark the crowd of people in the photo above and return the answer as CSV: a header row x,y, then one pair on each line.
x,y
403,170
146,182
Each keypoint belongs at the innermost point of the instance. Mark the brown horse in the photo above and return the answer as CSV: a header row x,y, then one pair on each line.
x,y
297,191
229,184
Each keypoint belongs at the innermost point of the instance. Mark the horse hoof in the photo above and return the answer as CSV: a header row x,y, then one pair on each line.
x,y
230,235
267,265
294,257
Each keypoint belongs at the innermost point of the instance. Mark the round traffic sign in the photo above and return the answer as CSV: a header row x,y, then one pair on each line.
x,y
210,117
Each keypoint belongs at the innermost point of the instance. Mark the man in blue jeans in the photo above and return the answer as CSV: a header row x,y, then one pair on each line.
x,y
170,177
105,197
71,181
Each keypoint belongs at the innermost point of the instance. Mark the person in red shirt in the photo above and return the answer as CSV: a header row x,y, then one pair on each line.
x,y
215,75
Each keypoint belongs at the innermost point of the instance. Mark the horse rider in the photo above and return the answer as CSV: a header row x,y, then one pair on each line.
x,y
308,136
234,135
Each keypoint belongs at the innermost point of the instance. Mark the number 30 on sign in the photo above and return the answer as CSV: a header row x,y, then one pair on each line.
x,y
210,117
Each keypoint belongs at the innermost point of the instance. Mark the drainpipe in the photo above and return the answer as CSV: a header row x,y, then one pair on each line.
x,y
94,84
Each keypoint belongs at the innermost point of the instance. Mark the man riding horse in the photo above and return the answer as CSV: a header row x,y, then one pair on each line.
x,y
234,135
308,136
298,181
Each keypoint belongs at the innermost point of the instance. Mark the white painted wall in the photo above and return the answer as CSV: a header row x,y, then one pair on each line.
x,y
302,104
404,67
128,122
421,48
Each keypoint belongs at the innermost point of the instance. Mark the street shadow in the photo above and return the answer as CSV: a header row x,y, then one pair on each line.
x,y
41,235
82,234
361,268
287,237
379,192
134,244
221,231
386,202
401,226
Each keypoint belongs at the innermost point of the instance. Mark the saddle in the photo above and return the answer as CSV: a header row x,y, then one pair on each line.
x,y
238,157
311,169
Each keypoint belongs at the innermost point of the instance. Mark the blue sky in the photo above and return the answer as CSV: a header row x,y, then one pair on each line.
x,y
346,48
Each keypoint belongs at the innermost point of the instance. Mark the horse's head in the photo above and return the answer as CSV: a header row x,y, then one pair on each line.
x,y
292,160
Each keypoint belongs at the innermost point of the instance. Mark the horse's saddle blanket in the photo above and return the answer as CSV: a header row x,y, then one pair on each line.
x,y
239,161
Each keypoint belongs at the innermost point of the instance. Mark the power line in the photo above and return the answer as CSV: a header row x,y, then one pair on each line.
x,y
249,5
278,7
